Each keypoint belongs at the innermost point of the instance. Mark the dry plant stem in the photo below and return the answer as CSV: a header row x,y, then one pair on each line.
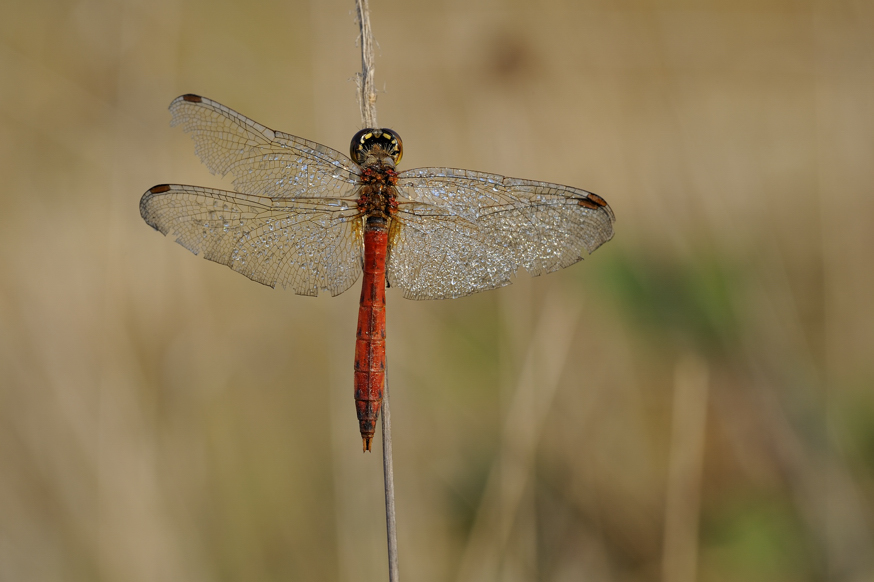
x,y
366,90
388,472
367,102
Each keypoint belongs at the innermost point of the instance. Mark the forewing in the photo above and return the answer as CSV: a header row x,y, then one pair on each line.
x,y
303,244
263,162
458,232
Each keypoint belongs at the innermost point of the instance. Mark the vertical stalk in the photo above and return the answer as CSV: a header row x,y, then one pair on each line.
x,y
367,103
366,91
388,473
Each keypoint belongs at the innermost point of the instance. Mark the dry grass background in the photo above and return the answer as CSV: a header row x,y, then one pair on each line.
x,y
694,402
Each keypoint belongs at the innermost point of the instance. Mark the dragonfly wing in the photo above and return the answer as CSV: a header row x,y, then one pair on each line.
x,y
263,162
459,232
303,244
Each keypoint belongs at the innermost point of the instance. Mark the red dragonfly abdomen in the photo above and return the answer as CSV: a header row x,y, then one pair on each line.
x,y
370,342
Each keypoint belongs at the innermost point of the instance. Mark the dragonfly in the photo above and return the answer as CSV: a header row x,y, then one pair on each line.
x,y
306,217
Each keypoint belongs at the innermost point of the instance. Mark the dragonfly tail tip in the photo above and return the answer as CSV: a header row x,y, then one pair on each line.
x,y
367,440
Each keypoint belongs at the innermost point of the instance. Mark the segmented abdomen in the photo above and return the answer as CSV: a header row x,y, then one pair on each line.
x,y
370,342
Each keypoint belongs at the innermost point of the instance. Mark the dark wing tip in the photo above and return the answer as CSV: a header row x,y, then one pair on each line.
x,y
597,199
144,204
595,202
188,97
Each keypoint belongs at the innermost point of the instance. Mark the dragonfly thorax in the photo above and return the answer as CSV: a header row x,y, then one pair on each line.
x,y
377,196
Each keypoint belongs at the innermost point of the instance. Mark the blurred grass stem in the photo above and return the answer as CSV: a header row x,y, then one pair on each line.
x,y
544,363
682,498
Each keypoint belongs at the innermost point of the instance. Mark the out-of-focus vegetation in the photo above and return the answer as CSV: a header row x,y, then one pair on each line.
x,y
693,402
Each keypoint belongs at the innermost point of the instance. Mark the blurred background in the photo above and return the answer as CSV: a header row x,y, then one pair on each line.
x,y
695,401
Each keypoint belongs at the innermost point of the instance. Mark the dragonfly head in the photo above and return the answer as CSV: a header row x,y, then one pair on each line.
x,y
377,144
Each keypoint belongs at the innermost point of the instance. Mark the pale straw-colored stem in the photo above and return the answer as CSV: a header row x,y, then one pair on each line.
x,y
367,102
366,90
388,473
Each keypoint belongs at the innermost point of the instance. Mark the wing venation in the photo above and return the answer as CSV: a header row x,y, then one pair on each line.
x,y
263,162
304,244
459,232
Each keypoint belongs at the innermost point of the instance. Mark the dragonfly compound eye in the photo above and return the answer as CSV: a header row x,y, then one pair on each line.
x,y
366,139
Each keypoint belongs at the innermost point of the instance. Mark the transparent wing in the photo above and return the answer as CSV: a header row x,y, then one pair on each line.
x,y
305,244
263,162
458,232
